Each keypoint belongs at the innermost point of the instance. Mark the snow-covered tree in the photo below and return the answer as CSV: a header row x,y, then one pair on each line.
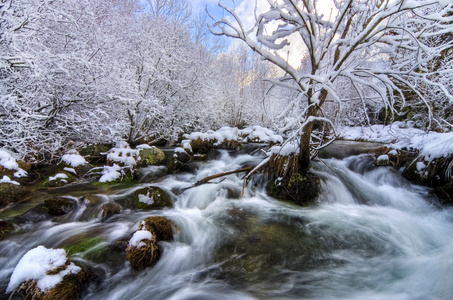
x,y
376,46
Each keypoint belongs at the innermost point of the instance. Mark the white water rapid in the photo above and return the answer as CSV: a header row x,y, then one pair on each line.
x,y
372,235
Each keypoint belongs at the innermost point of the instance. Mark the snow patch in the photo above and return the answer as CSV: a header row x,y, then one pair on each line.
x,y
62,176
70,170
145,199
73,159
35,265
400,135
285,150
383,157
138,237
420,166
110,173
8,161
6,179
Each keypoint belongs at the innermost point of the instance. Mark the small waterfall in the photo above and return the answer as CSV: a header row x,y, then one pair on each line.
x,y
372,235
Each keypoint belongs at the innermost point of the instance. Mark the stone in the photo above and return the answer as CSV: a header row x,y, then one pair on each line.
x,y
151,198
10,193
110,209
5,228
299,188
151,156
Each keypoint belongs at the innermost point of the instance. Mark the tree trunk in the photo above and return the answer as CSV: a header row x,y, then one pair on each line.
x,y
305,138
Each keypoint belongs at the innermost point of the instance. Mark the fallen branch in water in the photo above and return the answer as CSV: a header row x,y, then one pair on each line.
x,y
206,179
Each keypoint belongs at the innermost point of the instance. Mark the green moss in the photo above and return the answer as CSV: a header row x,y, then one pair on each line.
x,y
156,195
151,156
302,189
296,178
84,246
128,178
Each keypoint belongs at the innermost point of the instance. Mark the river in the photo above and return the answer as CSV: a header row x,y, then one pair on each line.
x,y
372,235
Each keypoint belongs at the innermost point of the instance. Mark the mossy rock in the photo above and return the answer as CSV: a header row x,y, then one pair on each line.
x,y
128,178
151,156
5,228
58,182
151,198
161,227
80,170
70,288
59,206
303,189
110,209
10,193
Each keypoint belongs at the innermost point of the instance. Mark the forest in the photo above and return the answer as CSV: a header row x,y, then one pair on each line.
x,y
256,149
89,72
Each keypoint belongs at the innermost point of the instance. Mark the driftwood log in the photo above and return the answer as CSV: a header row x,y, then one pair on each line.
x,y
206,179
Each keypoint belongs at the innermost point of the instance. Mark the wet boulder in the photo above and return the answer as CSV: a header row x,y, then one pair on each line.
x,y
303,189
45,274
5,228
11,192
151,198
150,156
50,208
143,249
109,209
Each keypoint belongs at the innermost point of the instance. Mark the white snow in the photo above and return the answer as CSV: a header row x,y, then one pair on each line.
x,y
146,199
420,166
8,161
431,145
399,135
144,146
35,264
285,150
138,237
73,159
70,170
383,157
6,179
379,133
110,173
393,152
62,176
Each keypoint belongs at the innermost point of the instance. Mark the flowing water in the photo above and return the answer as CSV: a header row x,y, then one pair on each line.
x,y
372,235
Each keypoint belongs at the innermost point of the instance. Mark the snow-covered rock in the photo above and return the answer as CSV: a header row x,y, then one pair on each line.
x,y
9,162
